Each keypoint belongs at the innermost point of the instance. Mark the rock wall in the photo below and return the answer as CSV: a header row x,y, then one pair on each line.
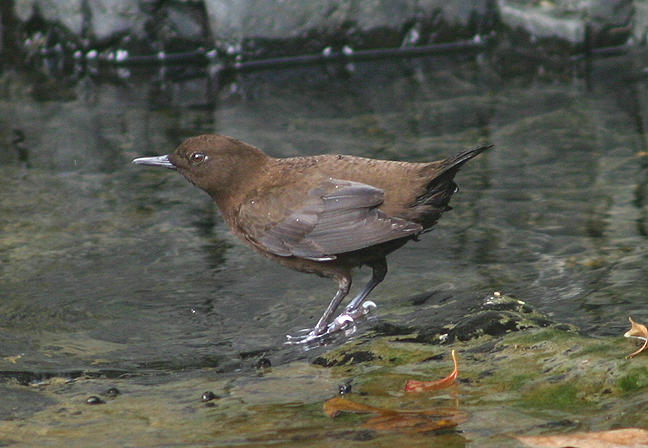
x,y
607,22
294,18
260,27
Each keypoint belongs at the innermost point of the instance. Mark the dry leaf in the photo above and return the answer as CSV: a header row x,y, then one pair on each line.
x,y
617,438
637,331
416,421
402,420
421,386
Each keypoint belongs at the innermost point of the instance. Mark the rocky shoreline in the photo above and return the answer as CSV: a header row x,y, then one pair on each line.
x,y
121,31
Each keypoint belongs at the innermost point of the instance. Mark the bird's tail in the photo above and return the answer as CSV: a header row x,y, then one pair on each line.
x,y
441,186
455,162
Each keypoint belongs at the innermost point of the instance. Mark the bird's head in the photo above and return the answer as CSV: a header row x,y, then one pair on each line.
x,y
214,163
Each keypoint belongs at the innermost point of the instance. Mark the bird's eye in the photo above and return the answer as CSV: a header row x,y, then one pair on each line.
x,y
197,157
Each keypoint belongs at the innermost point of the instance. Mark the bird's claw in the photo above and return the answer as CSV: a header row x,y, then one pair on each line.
x,y
339,323
313,339
367,307
344,322
309,339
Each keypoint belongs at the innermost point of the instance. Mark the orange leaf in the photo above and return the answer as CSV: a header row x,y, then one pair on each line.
x,y
618,438
401,420
420,386
637,331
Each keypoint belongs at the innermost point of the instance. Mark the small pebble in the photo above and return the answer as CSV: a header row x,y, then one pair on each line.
x,y
209,395
263,363
344,389
94,400
112,392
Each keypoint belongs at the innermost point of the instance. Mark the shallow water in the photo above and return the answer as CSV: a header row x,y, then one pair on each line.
x,y
109,269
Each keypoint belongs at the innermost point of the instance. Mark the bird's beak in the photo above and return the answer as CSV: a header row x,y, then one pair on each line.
x,y
162,161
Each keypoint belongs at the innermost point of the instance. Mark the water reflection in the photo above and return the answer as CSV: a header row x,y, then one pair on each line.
x,y
140,267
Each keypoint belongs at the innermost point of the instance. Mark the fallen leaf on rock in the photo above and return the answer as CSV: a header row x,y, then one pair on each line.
x,y
637,331
402,420
421,386
616,438
12,359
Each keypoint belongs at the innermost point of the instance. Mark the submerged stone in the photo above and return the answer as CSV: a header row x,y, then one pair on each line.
x,y
94,400
497,315
208,396
112,392
350,358
345,388
263,363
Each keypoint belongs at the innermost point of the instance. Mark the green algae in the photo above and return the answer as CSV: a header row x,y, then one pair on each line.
x,y
534,216
634,380
534,374
550,371
542,336
562,397
518,381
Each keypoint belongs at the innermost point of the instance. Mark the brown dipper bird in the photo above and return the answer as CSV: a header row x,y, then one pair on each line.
x,y
322,214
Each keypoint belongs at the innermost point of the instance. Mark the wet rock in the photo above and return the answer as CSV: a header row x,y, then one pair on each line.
x,y
112,17
488,347
559,424
436,296
542,22
596,385
640,19
389,329
180,23
19,402
603,22
256,29
67,13
496,316
353,357
360,436
26,378
101,19
112,392
486,323
209,396
345,388
263,363
281,20
94,400
482,326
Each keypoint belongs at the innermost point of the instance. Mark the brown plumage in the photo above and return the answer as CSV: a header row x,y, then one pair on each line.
x,y
322,214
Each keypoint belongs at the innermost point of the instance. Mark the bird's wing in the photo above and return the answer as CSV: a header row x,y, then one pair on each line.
x,y
337,216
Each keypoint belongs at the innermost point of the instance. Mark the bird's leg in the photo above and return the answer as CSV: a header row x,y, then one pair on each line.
x,y
344,283
378,275
354,309
322,327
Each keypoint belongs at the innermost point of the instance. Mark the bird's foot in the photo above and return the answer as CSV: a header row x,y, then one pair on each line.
x,y
344,322
308,338
348,318
312,338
